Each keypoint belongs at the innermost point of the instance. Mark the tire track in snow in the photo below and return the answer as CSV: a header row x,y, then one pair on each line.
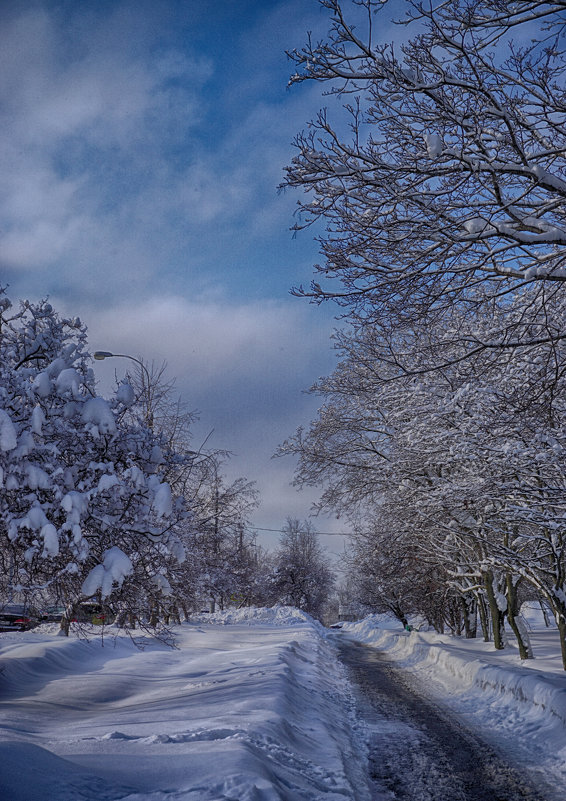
x,y
417,750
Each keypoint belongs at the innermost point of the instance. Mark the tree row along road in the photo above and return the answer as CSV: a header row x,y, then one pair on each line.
x,y
418,752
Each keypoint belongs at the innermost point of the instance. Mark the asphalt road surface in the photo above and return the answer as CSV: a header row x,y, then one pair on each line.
x,y
417,751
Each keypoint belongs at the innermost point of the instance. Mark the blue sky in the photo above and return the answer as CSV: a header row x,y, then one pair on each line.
x,y
141,145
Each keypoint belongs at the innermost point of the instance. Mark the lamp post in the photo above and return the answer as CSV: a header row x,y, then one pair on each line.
x,y
100,355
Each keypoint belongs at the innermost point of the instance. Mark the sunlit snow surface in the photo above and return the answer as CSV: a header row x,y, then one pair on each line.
x,y
255,710
251,706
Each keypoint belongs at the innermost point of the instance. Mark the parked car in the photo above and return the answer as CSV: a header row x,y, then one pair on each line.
x,y
51,614
15,617
92,612
86,612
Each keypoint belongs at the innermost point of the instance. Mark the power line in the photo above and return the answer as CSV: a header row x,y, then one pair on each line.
x,y
322,533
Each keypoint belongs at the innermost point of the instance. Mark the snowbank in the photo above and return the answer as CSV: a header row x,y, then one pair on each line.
x,y
252,705
519,706
251,615
459,664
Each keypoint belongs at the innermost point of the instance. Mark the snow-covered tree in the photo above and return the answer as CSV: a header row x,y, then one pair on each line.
x,y
82,488
448,172
223,544
302,576
460,468
389,570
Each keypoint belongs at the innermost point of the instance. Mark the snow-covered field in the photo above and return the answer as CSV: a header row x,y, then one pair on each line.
x,y
252,711
251,706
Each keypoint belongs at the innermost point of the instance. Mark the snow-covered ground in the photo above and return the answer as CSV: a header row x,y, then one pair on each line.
x,y
251,706
256,710
517,706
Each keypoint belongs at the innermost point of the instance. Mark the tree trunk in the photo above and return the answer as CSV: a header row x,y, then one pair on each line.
x,y
470,616
559,608
121,617
399,614
519,630
455,622
497,615
66,619
544,610
484,622
561,622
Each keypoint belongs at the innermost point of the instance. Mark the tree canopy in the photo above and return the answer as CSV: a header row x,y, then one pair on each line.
x,y
445,181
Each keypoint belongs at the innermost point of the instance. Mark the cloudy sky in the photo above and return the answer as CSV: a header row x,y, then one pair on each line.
x,y
141,145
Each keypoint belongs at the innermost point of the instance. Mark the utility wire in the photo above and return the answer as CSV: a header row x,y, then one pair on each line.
x,y
322,533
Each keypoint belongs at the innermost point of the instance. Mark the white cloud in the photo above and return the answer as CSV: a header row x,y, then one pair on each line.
x,y
214,342
86,123
61,79
136,179
244,367
112,183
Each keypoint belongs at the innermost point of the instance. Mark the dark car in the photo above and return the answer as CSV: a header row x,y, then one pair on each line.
x,y
16,617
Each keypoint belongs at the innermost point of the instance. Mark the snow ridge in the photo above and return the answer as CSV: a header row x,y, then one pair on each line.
x,y
251,704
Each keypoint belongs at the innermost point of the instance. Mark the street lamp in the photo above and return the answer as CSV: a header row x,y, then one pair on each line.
x,y
100,355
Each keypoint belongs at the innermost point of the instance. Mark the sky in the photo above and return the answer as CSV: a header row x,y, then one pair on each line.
x,y
141,147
